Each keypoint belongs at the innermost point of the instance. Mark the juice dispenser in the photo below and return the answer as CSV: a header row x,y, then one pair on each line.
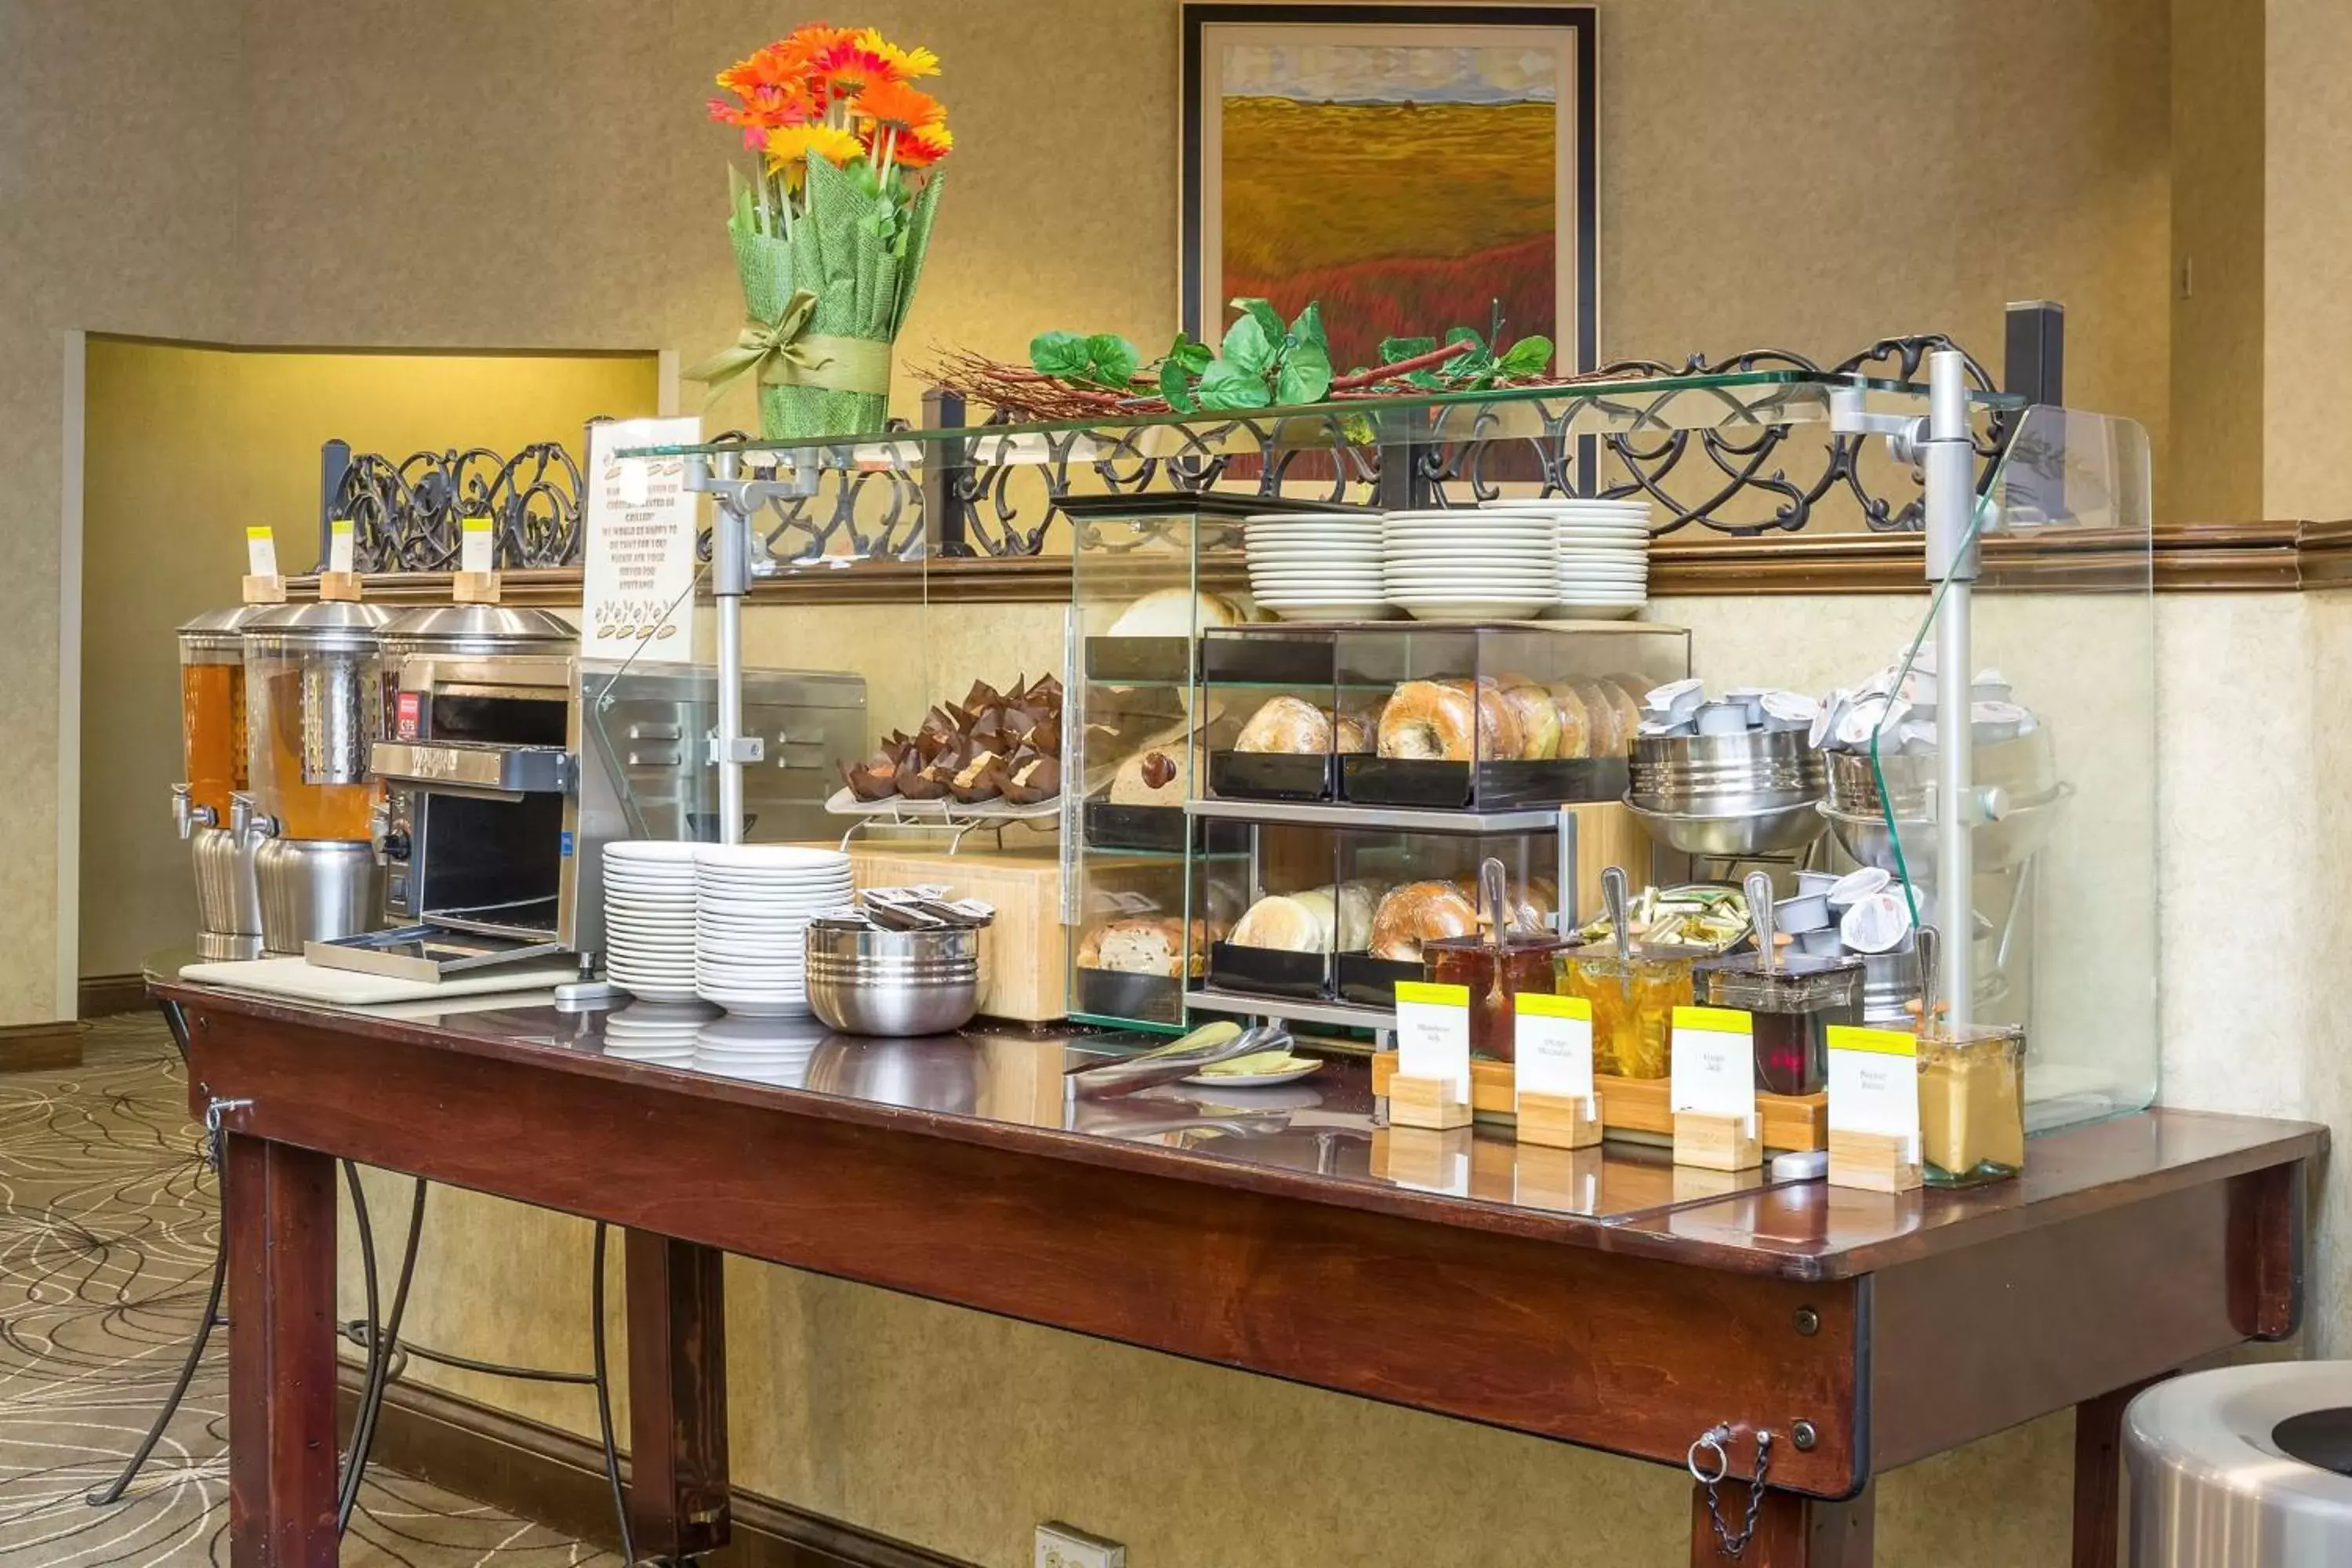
x,y
213,764
314,706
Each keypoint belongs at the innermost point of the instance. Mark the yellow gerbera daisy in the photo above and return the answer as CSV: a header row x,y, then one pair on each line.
x,y
906,65
790,147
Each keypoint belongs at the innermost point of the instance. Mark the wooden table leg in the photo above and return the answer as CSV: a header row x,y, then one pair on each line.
x,y
677,1396
279,1206
2098,1476
1792,1530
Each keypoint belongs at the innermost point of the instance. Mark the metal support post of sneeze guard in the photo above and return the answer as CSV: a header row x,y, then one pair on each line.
x,y
1949,458
1944,447
731,579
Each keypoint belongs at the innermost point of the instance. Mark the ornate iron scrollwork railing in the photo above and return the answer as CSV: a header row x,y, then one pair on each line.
x,y
408,515
967,497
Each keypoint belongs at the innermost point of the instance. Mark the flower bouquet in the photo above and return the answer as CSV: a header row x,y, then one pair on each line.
x,y
831,225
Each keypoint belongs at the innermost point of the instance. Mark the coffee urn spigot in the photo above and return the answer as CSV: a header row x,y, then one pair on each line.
x,y
250,825
187,814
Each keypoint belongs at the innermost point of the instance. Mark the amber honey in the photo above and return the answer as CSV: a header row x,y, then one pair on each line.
x,y
1633,1002
212,734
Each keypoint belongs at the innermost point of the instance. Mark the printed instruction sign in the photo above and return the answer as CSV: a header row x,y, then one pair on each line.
x,y
639,519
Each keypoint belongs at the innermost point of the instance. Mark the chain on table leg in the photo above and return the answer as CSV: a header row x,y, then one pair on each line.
x,y
1715,1441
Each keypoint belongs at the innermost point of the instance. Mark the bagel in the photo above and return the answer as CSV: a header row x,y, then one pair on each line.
x,y
1287,724
1415,913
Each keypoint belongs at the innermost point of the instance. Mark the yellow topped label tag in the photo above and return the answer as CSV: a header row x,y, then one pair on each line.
x,y
1879,1042
1721,1020
1429,994
1544,1004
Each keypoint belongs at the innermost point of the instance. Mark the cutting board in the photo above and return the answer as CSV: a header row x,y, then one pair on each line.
x,y
307,982
1024,956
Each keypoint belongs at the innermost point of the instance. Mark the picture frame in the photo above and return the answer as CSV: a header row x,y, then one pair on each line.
x,y
1397,162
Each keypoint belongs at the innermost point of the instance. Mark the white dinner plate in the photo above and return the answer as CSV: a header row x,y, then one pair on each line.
x,y
654,851
649,992
1478,610
1350,611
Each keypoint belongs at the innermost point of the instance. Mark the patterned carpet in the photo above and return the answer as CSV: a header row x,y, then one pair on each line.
x,y
106,1224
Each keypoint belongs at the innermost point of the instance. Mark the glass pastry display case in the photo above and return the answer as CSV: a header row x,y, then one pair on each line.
x,y
1434,717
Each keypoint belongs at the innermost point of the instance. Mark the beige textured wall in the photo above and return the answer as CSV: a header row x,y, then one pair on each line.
x,y
2215,459
196,444
2306,233
97,230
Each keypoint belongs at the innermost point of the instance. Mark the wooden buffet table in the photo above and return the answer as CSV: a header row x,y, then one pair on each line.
x,y
1600,1297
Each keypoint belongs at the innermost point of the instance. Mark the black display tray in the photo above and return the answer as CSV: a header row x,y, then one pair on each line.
x,y
1371,982
1241,658
1439,785
1163,829
1272,775
1118,994
1270,971
1139,661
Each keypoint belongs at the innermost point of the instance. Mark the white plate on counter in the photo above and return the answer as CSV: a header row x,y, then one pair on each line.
x,y
1255,1079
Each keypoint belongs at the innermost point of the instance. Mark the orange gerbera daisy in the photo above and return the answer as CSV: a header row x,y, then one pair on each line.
x,y
807,43
897,106
923,146
849,68
905,65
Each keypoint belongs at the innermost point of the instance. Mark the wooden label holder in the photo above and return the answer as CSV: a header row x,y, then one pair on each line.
x,y
1559,1120
1636,1105
1427,1102
338,587
264,590
1874,1162
1719,1142
474,588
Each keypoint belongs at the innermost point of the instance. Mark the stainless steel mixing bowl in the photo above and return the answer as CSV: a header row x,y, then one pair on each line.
x,y
868,982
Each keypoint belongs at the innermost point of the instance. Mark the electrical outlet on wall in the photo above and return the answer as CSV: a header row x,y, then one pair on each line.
x,y
1061,1546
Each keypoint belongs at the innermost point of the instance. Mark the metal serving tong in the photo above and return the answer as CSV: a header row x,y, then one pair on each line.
x,y
1203,1047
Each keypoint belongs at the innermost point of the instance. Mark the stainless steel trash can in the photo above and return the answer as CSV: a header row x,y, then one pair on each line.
x,y
2247,1467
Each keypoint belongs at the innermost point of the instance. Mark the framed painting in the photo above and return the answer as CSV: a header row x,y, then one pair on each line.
x,y
1413,167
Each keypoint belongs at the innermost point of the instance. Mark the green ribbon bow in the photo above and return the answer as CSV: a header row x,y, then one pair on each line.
x,y
785,353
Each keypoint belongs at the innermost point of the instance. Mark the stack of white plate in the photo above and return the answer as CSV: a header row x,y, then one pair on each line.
x,y
661,1033
1468,565
649,919
1603,550
760,1050
1316,566
752,904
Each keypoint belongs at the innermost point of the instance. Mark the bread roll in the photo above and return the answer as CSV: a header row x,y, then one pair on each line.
x,y
1532,904
1173,613
1433,719
1608,737
1356,902
1286,924
1144,946
1575,725
1628,691
1415,913
1351,734
1291,725
1537,716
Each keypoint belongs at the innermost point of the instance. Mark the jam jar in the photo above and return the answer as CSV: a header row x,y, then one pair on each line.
x,y
1494,974
1793,1003
1633,1001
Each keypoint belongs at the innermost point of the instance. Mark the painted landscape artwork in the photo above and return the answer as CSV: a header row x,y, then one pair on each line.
x,y
1408,187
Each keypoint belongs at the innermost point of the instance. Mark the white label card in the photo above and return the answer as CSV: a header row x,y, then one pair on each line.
x,y
260,553
1554,1046
640,523
1434,1033
1874,1083
339,544
478,546
1713,1071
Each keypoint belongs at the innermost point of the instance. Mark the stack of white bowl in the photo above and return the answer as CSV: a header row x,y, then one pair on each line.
x,y
649,919
752,904
1316,566
1468,565
760,1050
1603,547
661,1033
